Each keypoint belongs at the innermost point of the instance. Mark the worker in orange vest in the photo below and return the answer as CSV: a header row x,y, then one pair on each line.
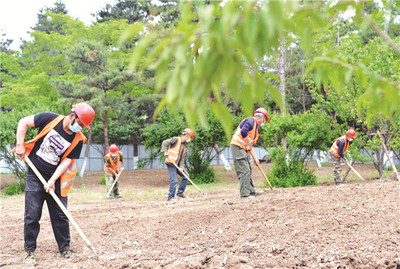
x,y
53,152
242,142
111,169
337,151
174,151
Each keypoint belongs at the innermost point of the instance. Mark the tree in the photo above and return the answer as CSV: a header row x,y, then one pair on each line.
x,y
351,105
338,70
45,23
8,127
290,169
164,11
201,148
212,52
102,77
5,43
131,10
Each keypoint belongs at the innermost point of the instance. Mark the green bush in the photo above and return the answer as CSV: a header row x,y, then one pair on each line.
x,y
15,188
102,180
201,172
291,173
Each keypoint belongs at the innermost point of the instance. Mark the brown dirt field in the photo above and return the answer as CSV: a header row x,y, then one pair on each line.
x,y
356,225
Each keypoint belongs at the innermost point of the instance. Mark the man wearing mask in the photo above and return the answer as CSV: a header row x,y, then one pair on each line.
x,y
337,151
53,152
174,151
111,167
242,142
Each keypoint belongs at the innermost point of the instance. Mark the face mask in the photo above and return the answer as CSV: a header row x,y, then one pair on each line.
x,y
261,124
113,154
188,140
350,139
75,127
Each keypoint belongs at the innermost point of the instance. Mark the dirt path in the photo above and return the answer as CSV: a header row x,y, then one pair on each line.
x,y
351,226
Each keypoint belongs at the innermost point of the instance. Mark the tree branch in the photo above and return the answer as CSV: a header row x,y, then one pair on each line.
x,y
380,32
397,154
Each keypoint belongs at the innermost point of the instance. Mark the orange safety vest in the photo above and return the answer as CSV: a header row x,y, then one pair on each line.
x,y
335,148
238,139
114,166
67,179
173,153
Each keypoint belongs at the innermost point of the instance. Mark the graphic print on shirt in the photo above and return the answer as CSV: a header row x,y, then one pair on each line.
x,y
52,147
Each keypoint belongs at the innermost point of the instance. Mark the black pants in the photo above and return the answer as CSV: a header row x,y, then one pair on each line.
x,y
34,200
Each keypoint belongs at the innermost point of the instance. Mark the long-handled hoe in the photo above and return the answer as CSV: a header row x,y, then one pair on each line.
x,y
262,172
55,197
112,186
354,170
187,177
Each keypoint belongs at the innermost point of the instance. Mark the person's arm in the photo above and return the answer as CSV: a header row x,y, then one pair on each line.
x,y
247,126
111,171
108,166
59,171
256,161
340,144
181,163
23,125
166,144
121,158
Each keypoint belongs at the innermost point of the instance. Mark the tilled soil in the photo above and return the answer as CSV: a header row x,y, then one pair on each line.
x,y
356,225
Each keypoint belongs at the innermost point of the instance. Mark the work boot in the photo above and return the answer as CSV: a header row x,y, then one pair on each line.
x,y
67,254
257,194
250,196
29,258
172,200
181,195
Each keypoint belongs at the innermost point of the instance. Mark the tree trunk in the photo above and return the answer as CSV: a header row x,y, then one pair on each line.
x,y
397,154
380,163
105,127
348,171
135,151
222,158
282,74
304,86
317,159
388,156
89,141
282,86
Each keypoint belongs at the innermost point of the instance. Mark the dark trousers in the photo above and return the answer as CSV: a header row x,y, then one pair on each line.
x,y
33,212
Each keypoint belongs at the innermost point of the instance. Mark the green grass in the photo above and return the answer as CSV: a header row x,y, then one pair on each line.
x,y
127,193
102,180
352,179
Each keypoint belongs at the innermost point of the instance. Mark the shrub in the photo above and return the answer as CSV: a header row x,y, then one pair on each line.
x,y
15,188
289,173
201,172
102,180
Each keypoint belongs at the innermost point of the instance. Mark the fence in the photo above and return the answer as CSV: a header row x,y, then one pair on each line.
x,y
96,160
